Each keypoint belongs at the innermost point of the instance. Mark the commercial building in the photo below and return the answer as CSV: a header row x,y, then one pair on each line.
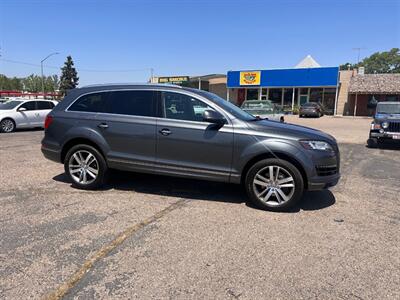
x,y
365,90
307,82
214,83
346,92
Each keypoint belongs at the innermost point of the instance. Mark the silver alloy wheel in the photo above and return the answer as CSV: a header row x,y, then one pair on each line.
x,y
273,185
7,125
83,167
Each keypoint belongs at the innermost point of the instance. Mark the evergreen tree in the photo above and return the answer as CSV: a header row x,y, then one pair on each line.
x,y
69,77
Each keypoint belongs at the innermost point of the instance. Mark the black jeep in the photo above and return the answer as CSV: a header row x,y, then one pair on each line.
x,y
386,124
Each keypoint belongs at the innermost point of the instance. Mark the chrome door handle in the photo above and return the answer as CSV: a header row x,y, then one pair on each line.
x,y
165,131
102,125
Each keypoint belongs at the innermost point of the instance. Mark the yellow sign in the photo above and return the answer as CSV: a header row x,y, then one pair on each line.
x,y
250,78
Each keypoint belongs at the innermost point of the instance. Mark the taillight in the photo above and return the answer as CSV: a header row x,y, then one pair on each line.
x,y
48,121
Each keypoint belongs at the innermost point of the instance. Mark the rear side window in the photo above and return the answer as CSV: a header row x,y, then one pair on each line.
x,y
134,103
90,103
45,105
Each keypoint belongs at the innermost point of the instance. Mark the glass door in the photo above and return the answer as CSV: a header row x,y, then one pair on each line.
x,y
303,96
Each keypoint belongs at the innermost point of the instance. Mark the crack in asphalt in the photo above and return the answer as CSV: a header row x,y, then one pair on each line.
x,y
65,287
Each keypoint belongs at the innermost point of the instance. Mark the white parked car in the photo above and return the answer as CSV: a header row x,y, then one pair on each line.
x,y
24,114
264,109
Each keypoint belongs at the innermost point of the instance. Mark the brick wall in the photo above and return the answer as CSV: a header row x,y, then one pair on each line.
x,y
343,104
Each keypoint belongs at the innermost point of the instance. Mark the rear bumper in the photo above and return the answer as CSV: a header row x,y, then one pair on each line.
x,y
51,154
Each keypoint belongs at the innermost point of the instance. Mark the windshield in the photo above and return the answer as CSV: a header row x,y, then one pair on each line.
x,y
388,108
9,105
228,106
309,104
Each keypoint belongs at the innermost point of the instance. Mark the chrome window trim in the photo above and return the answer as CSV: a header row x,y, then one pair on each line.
x,y
187,93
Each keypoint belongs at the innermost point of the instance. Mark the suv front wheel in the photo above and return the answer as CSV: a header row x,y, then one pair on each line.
x,y
274,184
85,166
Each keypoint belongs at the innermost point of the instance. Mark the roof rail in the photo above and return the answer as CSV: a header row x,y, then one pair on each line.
x,y
135,83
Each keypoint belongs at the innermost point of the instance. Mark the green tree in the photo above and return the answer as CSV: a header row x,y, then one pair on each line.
x,y
379,62
69,76
51,83
14,84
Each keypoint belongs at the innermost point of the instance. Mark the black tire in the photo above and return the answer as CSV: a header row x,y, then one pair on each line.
x,y
5,125
100,163
287,167
372,143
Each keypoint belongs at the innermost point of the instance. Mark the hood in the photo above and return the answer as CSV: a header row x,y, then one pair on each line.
x,y
292,131
380,116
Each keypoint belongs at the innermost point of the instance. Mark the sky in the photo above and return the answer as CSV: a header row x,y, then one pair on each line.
x,y
121,40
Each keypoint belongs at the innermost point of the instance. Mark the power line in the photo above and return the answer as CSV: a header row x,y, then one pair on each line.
x,y
79,69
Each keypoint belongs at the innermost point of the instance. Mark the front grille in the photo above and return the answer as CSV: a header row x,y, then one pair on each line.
x,y
325,170
394,127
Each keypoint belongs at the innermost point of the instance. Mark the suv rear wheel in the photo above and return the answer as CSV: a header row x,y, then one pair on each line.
x,y
274,184
85,166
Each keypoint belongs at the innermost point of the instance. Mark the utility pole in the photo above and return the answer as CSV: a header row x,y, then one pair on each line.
x,y
358,49
41,68
151,75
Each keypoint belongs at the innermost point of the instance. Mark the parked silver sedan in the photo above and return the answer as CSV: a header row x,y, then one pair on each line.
x,y
24,114
264,109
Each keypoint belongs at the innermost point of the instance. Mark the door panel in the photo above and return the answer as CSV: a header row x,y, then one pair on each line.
x,y
131,139
43,109
28,117
130,128
126,120
192,148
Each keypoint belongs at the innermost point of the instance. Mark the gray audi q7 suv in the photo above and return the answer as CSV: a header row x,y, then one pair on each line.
x,y
190,133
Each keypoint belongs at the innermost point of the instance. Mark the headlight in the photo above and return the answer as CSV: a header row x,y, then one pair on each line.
x,y
316,145
385,125
375,126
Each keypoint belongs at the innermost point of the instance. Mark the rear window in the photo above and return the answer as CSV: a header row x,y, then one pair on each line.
x,y
310,104
90,103
134,103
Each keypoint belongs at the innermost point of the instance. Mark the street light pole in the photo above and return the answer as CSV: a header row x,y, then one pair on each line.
x,y
41,68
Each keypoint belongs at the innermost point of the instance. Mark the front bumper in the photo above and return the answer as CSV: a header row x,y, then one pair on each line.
x,y
326,170
385,135
321,183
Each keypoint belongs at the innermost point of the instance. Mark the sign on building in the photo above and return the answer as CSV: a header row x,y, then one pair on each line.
x,y
174,80
250,78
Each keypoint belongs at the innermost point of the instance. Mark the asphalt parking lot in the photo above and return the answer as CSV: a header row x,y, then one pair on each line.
x,y
157,237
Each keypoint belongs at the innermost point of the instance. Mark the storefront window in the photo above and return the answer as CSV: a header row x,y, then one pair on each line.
x,y
252,94
329,100
287,99
316,95
264,94
275,95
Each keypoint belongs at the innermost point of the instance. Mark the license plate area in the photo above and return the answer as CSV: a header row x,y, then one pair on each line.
x,y
396,136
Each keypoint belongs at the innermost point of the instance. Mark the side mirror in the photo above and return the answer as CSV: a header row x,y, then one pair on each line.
x,y
22,109
212,116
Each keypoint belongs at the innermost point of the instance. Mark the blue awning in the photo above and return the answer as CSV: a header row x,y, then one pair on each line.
x,y
310,77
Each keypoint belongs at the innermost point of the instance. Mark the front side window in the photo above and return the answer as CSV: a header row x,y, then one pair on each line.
x,y
90,103
29,105
134,103
183,107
